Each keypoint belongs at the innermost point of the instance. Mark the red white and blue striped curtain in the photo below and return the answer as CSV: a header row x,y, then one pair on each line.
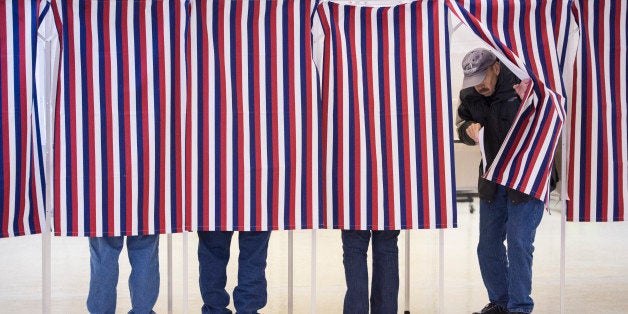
x,y
386,113
264,150
253,140
598,151
21,160
531,35
119,117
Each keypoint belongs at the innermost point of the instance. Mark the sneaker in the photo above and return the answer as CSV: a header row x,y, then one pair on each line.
x,y
492,308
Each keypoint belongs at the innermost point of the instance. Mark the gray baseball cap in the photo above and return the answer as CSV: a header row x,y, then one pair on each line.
x,y
475,65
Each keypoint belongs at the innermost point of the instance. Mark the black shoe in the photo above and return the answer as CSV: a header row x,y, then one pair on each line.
x,y
492,308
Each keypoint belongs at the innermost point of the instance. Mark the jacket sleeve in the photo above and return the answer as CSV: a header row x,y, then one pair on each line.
x,y
463,121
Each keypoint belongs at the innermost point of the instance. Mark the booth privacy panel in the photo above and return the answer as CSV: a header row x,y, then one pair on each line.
x,y
119,117
597,132
598,114
386,116
21,161
524,34
254,122
244,153
158,128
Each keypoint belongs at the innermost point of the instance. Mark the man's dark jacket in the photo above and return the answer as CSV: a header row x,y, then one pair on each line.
x,y
496,114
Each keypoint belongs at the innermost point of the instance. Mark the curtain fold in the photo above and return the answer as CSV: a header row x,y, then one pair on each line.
x,y
530,35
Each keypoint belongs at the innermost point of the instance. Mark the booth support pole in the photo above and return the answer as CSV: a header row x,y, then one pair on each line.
x,y
170,296
46,265
185,272
313,261
407,273
441,271
290,271
563,219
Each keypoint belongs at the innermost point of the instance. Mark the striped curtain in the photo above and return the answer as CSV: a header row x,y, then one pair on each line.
x,y
119,117
387,150
207,115
532,36
21,160
253,140
598,151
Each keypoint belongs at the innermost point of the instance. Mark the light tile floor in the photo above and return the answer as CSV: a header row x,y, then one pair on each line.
x,y
596,271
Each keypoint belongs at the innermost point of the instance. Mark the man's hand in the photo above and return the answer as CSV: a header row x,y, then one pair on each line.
x,y
522,87
473,131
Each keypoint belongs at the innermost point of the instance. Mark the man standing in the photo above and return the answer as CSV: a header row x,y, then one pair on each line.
x,y
214,248
385,271
144,279
490,98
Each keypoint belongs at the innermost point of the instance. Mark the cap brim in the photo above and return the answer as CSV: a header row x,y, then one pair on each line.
x,y
475,79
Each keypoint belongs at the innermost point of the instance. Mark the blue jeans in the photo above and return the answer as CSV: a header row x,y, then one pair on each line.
x,y
143,282
507,273
385,284
213,255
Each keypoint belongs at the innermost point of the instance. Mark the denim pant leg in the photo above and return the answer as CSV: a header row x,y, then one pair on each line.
x,y
104,271
213,256
355,243
250,295
523,219
144,278
385,284
491,250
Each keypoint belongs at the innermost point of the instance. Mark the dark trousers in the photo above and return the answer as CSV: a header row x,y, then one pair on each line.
x,y
213,255
385,283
